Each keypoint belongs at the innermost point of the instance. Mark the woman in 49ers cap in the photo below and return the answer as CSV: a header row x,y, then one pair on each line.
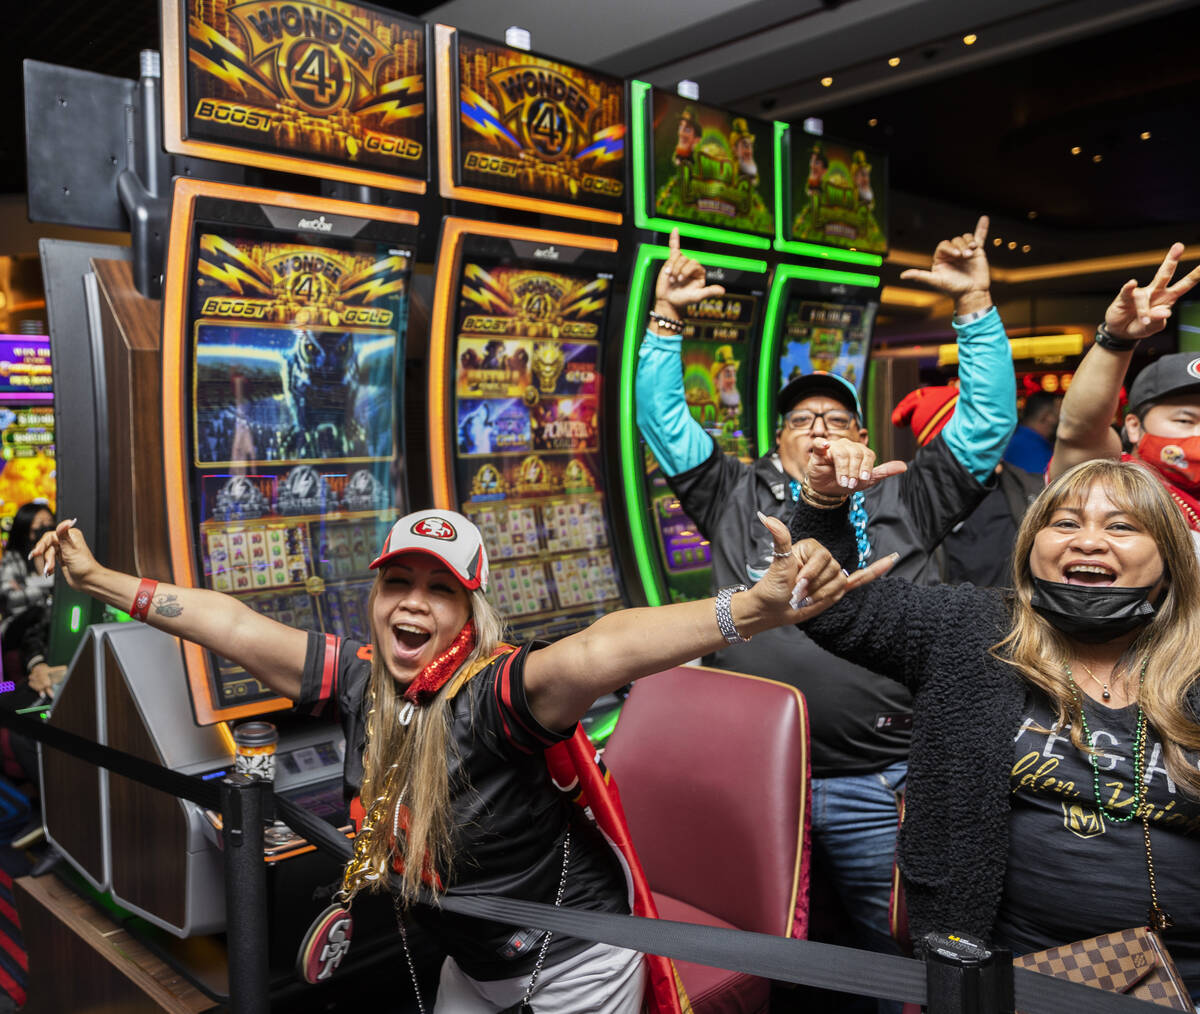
x,y
449,732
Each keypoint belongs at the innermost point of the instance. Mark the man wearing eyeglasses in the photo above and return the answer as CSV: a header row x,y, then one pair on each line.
x,y
860,721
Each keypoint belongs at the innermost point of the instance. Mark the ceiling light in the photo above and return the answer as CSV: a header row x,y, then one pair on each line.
x,y
1097,158
872,122
1145,135
1012,244
1026,248
894,61
996,241
1031,215
826,82
1077,150
970,40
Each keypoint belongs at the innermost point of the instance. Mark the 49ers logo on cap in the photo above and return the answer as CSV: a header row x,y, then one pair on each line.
x,y
1194,367
435,528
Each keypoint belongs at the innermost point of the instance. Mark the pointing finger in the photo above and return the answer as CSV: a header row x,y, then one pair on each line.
x,y
981,229
868,574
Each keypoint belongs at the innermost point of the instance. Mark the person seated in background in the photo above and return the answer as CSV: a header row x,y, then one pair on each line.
x,y
446,733
1033,442
979,548
1054,729
1162,423
25,600
859,720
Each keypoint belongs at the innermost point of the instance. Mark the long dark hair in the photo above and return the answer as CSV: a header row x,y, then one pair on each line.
x,y
19,539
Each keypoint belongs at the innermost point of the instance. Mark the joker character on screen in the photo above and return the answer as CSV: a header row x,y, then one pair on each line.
x,y
1162,422
449,732
860,720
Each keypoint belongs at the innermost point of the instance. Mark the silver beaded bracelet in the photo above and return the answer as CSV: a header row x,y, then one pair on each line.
x,y
725,615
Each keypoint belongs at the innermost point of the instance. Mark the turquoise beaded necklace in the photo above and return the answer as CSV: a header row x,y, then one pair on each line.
x,y
858,518
1139,749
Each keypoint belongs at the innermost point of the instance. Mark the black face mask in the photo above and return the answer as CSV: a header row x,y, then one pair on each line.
x,y
1088,614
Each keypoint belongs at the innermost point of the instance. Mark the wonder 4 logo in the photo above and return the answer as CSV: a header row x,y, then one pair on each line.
x,y
550,110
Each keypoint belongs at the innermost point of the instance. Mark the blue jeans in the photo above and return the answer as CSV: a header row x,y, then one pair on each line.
x,y
854,822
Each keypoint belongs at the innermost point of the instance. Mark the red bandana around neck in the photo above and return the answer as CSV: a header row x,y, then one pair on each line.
x,y
433,677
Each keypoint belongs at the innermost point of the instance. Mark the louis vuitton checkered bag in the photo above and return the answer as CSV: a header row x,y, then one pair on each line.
x,y
1132,961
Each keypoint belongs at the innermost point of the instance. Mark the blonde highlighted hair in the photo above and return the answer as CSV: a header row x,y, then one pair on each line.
x,y
409,765
1167,643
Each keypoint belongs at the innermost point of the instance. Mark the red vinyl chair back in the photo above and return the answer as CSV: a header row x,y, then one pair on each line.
x,y
713,771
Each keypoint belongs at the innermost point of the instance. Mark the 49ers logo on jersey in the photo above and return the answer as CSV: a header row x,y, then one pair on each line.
x,y
435,528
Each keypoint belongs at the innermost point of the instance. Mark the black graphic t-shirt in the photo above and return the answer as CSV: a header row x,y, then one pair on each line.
x,y
509,818
1073,872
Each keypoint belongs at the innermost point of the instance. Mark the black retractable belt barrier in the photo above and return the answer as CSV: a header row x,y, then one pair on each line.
x,y
804,962
245,892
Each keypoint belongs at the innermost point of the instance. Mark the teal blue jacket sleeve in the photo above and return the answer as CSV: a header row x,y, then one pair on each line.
x,y
986,414
667,425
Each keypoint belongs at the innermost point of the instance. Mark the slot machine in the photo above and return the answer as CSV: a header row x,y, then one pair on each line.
x,y
519,430
821,313
283,340
27,450
265,443
707,172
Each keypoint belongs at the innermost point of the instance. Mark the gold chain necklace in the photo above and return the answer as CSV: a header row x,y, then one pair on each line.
x,y
1104,691
1192,519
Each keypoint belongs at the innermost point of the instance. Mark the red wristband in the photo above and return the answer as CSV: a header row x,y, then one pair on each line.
x,y
141,601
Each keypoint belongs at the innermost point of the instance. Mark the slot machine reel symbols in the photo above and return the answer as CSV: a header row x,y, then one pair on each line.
x,y
548,364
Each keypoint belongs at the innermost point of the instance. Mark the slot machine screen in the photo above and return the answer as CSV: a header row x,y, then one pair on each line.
x,y
528,431
538,127
327,88
838,195
27,459
822,335
711,166
292,351
717,346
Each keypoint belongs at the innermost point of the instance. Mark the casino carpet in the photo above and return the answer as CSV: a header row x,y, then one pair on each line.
x,y
14,964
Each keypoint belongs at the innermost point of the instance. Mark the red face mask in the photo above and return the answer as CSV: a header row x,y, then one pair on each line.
x,y
1176,458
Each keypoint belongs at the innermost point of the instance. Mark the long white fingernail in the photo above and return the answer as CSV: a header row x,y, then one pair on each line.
x,y
46,569
761,517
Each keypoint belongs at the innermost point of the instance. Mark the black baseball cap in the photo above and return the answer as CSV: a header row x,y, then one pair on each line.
x,y
1166,377
819,382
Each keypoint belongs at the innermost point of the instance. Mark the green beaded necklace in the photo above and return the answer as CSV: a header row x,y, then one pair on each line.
x,y
1139,749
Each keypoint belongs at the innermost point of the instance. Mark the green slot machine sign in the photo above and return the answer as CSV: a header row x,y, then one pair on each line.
x,y
652,175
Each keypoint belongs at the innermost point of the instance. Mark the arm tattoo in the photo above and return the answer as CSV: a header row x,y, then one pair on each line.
x,y
167,605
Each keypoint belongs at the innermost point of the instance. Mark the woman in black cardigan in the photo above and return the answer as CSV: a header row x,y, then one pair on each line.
x,y
1015,831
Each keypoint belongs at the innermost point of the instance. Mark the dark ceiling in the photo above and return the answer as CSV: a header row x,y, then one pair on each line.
x,y
993,138
1000,139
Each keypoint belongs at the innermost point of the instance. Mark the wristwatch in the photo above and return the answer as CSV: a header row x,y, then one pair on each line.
x,y
725,615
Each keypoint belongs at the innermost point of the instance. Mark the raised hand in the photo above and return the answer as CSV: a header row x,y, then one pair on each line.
x,y
959,269
1140,311
804,579
840,467
681,281
64,548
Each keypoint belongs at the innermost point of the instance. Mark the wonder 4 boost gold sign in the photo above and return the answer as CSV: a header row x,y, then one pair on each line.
x,y
339,82
533,126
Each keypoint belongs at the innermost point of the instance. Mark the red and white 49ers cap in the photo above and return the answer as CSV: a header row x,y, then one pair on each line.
x,y
445,535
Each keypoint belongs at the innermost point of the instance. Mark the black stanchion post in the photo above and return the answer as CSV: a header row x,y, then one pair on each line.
x,y
245,893
963,976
